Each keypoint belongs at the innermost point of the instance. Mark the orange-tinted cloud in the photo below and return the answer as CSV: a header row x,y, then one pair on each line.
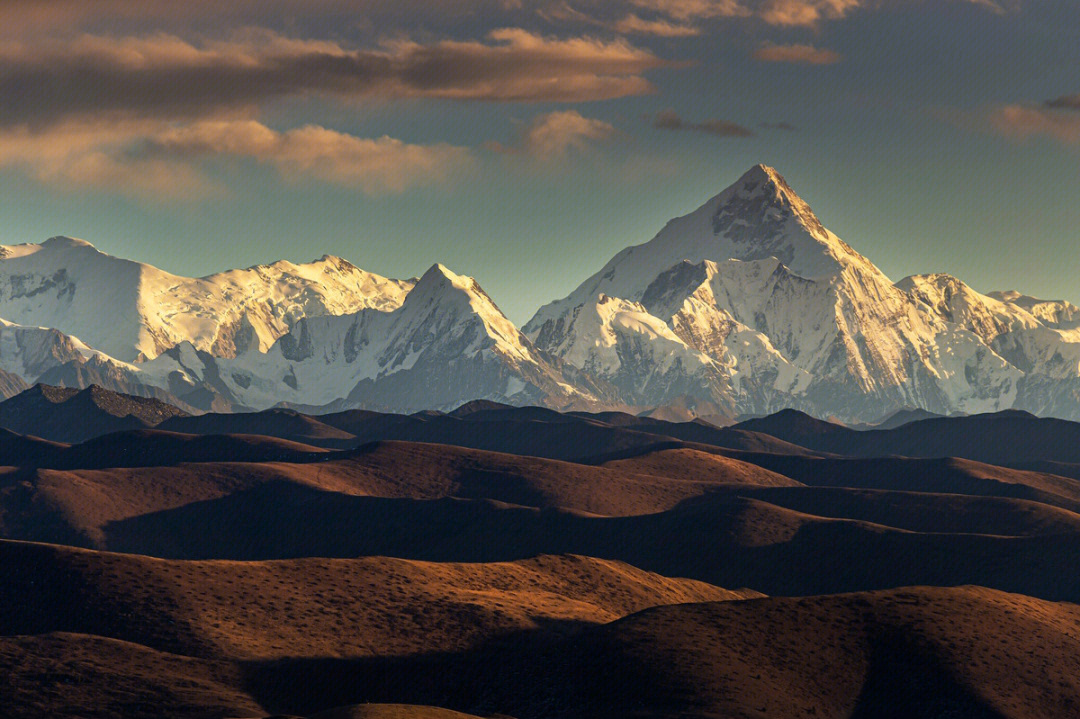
x,y
791,13
1022,122
552,136
28,17
150,159
632,24
373,166
165,76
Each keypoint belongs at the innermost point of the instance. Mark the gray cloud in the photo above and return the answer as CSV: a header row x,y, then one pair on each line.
x,y
672,121
797,53
67,17
165,76
1065,102
685,17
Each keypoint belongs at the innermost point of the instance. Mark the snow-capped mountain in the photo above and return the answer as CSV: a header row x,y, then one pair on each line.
x,y
641,357
39,355
754,280
1040,338
747,305
133,311
446,342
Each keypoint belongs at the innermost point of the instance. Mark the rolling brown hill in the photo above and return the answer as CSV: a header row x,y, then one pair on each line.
x,y
371,606
77,676
76,506
735,526
948,475
391,711
529,431
721,538
17,449
912,653
139,637
150,448
684,463
1007,438
923,511
398,579
281,423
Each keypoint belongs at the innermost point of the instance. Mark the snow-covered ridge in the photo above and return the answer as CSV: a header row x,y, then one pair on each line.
x,y
134,311
447,340
747,305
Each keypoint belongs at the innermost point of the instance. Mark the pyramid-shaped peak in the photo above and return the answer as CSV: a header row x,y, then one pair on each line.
x,y
757,218
62,241
439,274
762,174
764,185
440,282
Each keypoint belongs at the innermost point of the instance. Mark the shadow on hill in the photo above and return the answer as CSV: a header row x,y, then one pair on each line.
x,y
558,669
906,680
723,539
942,476
603,673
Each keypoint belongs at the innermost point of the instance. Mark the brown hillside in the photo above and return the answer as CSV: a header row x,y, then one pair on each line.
x,y
75,506
911,653
317,607
75,676
391,711
698,466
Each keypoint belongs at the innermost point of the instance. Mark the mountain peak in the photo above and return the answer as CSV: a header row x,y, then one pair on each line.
x,y
63,241
440,271
440,279
759,199
442,287
757,218
761,174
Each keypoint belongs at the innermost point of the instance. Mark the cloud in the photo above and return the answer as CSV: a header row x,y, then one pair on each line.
x,y
628,24
149,159
991,5
373,166
784,13
797,53
671,120
23,17
80,155
634,25
805,12
165,76
773,12
695,9
1023,122
1065,102
552,136
785,126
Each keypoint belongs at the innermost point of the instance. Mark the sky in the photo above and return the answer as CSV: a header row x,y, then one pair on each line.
x,y
525,143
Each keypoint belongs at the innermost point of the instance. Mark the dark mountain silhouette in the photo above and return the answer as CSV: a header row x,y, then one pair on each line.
x,y
1007,438
63,414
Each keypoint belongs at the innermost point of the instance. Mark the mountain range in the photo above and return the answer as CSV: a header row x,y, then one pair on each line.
x,y
746,306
